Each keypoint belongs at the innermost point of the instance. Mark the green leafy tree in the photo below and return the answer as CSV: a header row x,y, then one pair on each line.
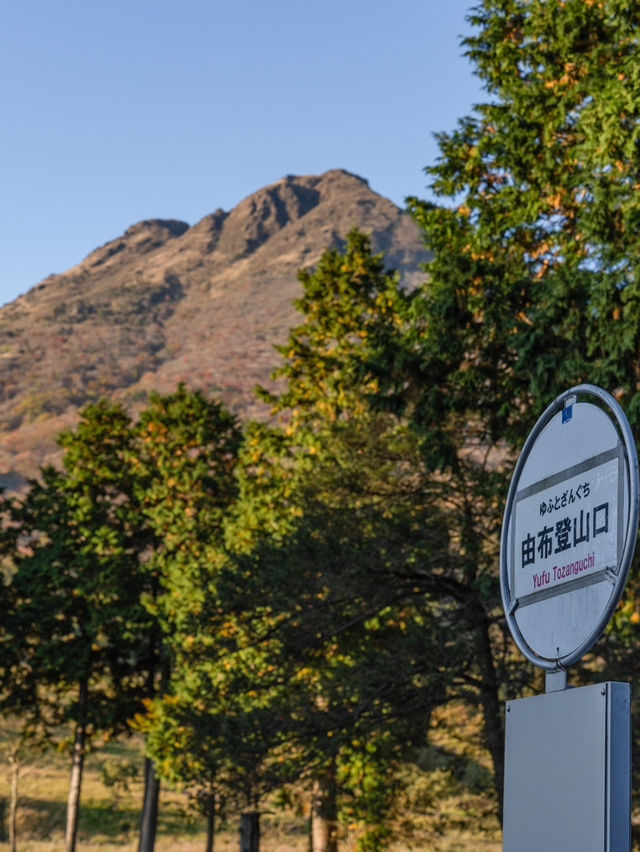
x,y
345,533
533,282
183,459
108,570
360,656
73,617
210,735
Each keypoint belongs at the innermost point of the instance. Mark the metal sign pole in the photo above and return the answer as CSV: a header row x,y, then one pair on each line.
x,y
555,681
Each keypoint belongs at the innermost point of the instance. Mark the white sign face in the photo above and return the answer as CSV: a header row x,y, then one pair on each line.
x,y
566,527
566,531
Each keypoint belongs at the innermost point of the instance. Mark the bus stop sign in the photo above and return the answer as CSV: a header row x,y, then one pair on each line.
x,y
570,527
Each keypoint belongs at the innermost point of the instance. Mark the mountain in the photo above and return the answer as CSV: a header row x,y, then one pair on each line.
x,y
167,302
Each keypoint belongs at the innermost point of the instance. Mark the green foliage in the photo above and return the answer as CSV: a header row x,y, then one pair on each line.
x,y
359,595
347,302
183,461
211,734
368,778
534,274
73,613
533,281
110,561
117,774
533,286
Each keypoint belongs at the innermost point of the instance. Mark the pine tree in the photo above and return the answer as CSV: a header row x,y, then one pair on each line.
x,y
183,459
533,282
73,617
534,276
343,534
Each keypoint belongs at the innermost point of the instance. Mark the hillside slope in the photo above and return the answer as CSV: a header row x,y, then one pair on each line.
x,y
166,302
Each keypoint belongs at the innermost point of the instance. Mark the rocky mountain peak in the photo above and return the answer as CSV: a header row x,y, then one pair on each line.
x,y
263,214
139,239
166,303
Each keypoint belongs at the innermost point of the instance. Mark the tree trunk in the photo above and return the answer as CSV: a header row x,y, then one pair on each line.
x,y
149,820
210,805
14,760
324,812
250,832
77,766
3,821
492,713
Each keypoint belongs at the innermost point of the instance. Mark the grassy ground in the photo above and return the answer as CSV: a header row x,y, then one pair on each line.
x,y
446,806
109,820
434,815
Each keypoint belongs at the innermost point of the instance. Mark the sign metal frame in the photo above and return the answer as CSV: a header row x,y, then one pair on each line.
x,y
628,465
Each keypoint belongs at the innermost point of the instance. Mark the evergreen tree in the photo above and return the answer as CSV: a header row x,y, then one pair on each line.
x,y
108,571
73,618
344,534
210,734
534,276
183,459
533,282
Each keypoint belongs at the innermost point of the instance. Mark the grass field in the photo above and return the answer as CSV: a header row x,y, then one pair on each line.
x,y
109,817
437,812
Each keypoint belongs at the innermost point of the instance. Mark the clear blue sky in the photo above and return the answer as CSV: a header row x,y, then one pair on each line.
x,y
118,111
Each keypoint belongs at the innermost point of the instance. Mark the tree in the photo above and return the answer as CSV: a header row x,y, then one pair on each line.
x,y
183,461
344,533
533,282
73,618
362,656
206,737
534,274
109,569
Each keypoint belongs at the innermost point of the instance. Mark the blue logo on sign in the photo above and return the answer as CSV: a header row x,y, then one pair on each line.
x,y
567,414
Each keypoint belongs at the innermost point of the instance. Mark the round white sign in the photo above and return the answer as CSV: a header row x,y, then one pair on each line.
x,y
570,527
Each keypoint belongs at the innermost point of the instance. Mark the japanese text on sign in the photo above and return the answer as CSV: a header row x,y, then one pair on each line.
x,y
567,498
565,534
569,533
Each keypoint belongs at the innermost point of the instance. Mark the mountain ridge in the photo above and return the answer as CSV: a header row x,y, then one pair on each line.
x,y
167,302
